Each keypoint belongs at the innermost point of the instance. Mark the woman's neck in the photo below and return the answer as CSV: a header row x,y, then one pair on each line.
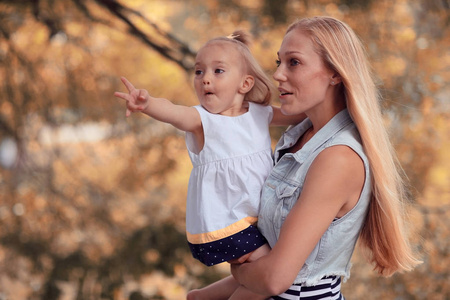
x,y
320,116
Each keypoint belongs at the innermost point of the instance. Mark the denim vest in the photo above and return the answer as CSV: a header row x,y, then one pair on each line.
x,y
331,255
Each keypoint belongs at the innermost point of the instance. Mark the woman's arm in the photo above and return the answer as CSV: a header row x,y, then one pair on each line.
x,y
182,117
332,188
279,119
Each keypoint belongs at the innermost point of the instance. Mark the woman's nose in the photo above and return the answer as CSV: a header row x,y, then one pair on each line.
x,y
279,74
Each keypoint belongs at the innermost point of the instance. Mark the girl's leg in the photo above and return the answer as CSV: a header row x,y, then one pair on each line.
x,y
218,290
242,293
225,289
229,288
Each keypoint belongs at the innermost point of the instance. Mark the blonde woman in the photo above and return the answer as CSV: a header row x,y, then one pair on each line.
x,y
335,177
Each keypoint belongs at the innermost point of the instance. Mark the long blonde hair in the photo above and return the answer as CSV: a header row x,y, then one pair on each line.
x,y
263,89
383,232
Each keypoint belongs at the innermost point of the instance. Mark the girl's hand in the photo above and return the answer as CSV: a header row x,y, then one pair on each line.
x,y
136,99
240,260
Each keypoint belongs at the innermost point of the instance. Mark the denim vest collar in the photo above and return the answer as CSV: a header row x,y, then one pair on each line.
x,y
290,137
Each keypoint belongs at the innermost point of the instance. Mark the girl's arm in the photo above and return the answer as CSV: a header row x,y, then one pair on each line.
x,y
279,119
332,188
182,117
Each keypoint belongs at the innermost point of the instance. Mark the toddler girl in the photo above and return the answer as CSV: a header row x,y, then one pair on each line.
x,y
228,141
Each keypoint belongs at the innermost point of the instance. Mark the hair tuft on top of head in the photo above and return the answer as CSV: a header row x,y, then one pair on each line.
x,y
241,36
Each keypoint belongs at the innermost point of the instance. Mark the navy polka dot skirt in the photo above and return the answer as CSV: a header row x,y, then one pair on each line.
x,y
228,248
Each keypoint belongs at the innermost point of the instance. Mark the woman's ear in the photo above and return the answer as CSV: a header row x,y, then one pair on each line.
x,y
247,84
335,79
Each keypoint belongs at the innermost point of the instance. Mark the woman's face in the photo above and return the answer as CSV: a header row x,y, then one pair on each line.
x,y
304,81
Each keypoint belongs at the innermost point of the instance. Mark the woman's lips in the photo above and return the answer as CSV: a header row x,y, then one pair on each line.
x,y
283,92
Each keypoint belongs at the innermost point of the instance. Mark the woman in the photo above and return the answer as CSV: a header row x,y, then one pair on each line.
x,y
335,177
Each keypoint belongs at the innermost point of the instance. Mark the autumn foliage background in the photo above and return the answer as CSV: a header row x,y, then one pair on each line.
x,y
92,204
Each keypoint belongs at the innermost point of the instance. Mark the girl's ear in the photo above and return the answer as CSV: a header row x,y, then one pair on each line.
x,y
247,84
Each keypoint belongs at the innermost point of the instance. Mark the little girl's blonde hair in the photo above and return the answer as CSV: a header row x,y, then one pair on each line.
x,y
263,89
384,230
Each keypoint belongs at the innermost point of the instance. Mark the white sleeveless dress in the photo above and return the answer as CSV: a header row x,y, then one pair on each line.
x,y
225,184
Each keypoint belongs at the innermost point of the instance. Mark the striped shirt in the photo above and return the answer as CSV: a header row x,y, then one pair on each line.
x,y
328,288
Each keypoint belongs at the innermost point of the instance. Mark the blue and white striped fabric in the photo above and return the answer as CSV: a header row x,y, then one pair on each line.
x,y
328,288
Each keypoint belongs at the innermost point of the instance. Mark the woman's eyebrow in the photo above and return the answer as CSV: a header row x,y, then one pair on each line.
x,y
290,52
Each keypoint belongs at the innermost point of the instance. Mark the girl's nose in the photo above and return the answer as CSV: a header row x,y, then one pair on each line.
x,y
206,79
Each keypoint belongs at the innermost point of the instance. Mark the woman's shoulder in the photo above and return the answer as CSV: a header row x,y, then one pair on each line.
x,y
348,136
344,171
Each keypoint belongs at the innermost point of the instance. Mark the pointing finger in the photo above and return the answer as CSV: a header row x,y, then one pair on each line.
x,y
127,84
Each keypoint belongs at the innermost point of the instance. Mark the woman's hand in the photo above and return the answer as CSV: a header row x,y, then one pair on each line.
x,y
235,267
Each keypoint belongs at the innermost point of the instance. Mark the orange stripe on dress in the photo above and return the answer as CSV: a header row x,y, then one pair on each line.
x,y
201,238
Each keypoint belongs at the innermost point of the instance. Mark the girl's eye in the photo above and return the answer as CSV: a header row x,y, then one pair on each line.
x,y
198,72
278,62
218,71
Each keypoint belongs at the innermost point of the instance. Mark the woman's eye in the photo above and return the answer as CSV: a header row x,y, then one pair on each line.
x,y
278,62
294,62
218,71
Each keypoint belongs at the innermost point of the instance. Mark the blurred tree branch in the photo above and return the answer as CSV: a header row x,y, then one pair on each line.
x,y
170,47
163,42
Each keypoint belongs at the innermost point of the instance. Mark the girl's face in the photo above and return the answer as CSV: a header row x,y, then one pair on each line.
x,y
304,80
220,79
